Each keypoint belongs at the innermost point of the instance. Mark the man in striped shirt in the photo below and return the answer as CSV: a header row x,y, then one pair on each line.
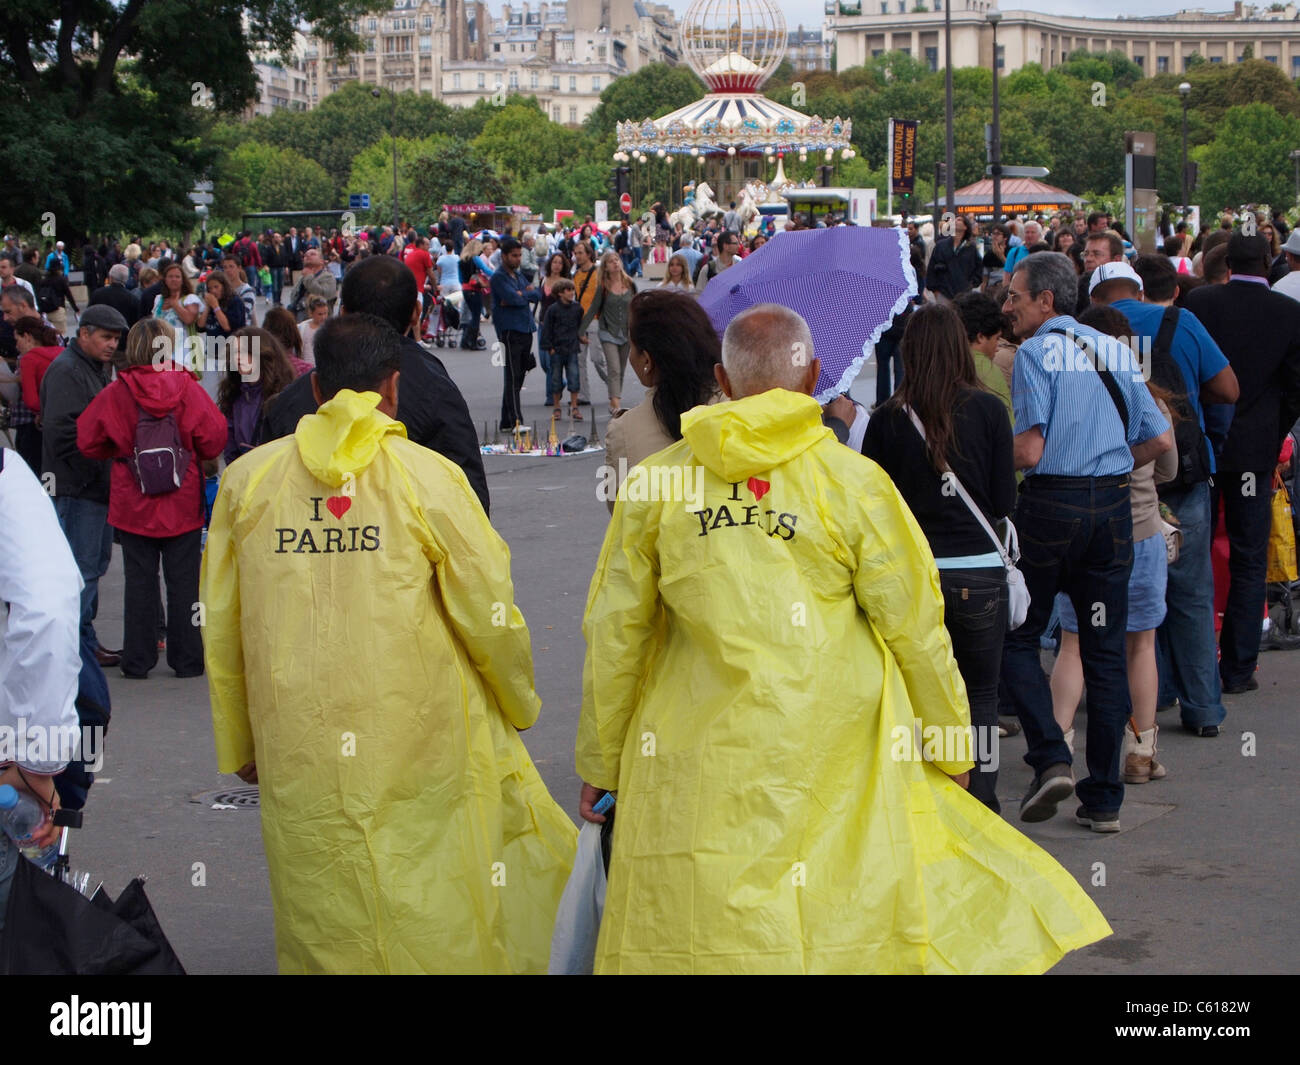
x,y
1080,430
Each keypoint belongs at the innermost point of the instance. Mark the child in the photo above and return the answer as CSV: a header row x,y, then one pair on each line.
x,y
560,340
318,311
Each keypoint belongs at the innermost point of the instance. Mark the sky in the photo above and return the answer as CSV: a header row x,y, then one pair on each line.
x,y
810,13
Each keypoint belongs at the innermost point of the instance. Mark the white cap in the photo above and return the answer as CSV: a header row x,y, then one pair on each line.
x,y
1113,272
58,243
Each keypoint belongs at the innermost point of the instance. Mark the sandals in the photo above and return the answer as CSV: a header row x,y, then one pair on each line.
x,y
575,414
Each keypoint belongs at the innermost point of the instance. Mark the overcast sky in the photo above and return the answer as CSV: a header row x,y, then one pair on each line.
x,y
811,12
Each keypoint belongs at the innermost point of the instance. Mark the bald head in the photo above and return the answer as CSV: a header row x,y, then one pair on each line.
x,y
768,346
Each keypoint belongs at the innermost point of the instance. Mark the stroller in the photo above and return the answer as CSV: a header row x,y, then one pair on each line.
x,y
446,332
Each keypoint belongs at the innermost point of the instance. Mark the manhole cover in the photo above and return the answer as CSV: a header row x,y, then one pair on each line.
x,y
247,798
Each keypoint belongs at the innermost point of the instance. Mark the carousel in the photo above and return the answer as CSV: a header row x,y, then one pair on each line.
x,y
720,148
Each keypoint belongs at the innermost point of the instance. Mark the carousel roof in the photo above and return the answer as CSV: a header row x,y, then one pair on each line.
x,y
746,121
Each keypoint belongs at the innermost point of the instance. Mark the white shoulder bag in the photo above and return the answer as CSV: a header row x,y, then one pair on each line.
x,y
1017,591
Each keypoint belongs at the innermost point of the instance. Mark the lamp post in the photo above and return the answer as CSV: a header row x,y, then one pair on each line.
x,y
1185,90
393,132
947,107
1295,158
995,16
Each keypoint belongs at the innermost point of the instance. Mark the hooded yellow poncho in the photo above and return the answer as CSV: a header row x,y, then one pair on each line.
x,y
363,646
752,656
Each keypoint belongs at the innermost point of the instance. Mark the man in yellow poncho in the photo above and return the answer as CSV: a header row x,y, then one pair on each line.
x,y
365,654
762,632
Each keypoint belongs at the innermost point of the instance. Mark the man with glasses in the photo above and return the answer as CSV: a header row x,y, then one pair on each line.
x,y
728,245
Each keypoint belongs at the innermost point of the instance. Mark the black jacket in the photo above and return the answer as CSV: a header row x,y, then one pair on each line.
x,y
122,301
71,382
428,403
1259,332
954,270
560,327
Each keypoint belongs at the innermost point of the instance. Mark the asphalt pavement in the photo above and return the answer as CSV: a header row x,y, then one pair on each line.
x,y
1202,879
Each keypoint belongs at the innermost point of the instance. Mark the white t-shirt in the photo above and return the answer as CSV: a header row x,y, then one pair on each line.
x,y
1289,285
308,330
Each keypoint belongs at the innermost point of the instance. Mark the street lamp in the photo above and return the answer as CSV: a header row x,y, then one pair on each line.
x,y
1185,90
995,16
947,107
392,92
1295,158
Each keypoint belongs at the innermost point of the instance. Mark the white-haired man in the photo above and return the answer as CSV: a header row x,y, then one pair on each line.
x,y
760,647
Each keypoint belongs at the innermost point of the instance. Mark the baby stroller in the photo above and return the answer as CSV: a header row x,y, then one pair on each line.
x,y
446,333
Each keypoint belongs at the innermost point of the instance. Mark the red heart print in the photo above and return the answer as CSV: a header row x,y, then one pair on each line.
x,y
759,488
338,505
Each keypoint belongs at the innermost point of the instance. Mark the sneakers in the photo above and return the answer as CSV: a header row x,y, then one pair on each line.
x,y
1139,752
1207,732
1098,820
1053,785
1248,685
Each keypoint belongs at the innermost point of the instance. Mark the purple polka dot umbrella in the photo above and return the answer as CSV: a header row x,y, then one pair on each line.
x,y
847,283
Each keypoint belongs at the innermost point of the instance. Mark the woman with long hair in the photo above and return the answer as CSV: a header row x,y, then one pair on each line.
x,y
473,283
38,346
156,524
609,309
282,325
965,437
222,312
259,372
677,275
1146,597
177,305
673,349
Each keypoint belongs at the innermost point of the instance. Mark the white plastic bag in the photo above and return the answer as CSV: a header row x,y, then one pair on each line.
x,y
577,922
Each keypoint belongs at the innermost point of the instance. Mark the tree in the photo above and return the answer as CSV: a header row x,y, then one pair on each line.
x,y
123,80
522,143
372,173
1247,160
453,173
567,188
651,92
280,179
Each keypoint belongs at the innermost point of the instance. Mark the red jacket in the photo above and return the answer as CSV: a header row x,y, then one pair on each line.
x,y
31,368
106,430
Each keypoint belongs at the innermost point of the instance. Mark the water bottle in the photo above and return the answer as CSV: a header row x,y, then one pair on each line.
x,y
20,816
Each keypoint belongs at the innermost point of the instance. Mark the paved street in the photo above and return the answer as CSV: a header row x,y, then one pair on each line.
x,y
1201,879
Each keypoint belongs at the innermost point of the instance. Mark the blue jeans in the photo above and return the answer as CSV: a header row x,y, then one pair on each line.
x,y
277,284
1186,651
975,615
1076,536
1247,518
563,364
85,524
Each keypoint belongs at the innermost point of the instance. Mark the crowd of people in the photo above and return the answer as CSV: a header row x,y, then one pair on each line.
x,y
1015,477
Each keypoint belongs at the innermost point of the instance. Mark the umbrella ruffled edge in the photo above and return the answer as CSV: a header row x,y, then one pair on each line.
x,y
869,347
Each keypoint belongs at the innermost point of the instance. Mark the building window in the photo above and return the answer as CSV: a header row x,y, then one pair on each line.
x,y
455,81
573,83
1295,66
876,53
555,83
1140,60
595,84
533,80
1271,59
482,81
573,116
1216,59
372,25
555,114
932,58
428,22
426,44
1162,64
514,79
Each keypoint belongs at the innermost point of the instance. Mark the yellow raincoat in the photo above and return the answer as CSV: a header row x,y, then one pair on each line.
x,y
363,646
754,657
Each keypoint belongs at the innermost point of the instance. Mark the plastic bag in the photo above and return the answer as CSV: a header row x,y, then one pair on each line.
x,y
1281,537
577,921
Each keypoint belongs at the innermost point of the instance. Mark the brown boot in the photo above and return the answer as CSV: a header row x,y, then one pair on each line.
x,y
1140,765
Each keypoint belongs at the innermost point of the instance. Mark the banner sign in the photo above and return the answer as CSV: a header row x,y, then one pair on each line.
x,y
902,154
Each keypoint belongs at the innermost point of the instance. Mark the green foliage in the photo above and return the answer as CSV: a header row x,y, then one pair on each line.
x,y
520,141
452,173
280,179
651,92
1247,161
372,173
567,187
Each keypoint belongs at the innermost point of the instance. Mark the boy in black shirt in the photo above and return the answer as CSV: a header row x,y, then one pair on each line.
x,y
560,339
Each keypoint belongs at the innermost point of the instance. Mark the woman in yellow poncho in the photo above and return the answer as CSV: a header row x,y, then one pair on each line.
x,y
757,646
364,650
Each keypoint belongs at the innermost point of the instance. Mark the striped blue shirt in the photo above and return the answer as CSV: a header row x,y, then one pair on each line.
x,y
1055,386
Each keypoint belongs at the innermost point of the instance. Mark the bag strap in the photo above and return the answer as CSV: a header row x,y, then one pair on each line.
x,y
1107,379
1005,552
1164,341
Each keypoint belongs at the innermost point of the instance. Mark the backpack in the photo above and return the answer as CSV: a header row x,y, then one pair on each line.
x,y
133,275
48,298
1193,448
159,461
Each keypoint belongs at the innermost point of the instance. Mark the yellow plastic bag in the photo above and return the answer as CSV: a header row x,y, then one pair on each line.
x,y
1281,537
